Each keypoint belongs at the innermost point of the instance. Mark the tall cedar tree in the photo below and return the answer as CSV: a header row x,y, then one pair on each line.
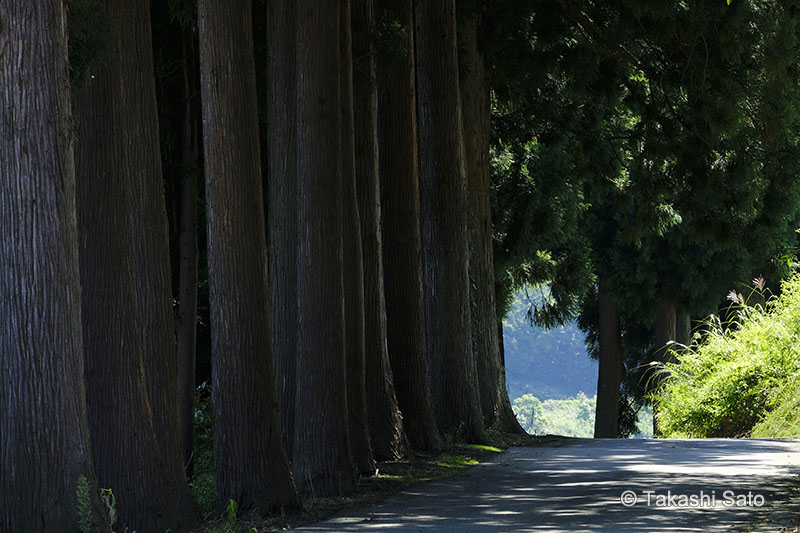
x,y
130,352
43,416
476,106
444,223
321,444
148,220
251,465
609,372
402,241
387,435
188,246
281,178
353,280
664,335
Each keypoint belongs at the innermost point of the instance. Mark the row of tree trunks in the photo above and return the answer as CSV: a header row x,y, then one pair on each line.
x,y
401,234
43,418
387,434
131,367
251,465
609,373
454,380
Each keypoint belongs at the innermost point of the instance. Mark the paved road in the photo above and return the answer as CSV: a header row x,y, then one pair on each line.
x,y
578,487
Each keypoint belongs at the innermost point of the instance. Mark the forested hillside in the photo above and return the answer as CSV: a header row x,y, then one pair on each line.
x,y
548,363
322,210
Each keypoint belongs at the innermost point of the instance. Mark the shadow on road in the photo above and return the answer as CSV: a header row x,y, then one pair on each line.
x,y
578,487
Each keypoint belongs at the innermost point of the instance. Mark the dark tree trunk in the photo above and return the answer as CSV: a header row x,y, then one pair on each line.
x,y
476,106
609,374
131,369
43,418
506,419
683,328
353,279
148,219
251,465
664,333
402,242
444,223
665,330
189,254
387,435
282,176
321,455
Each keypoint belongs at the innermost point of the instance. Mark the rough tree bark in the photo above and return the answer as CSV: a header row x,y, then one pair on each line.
x,y
45,445
683,327
387,435
609,374
282,176
251,465
353,273
148,219
189,253
402,241
444,223
321,453
131,369
476,106
664,333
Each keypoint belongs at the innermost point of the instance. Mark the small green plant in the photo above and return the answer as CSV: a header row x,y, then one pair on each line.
x,y
230,512
84,505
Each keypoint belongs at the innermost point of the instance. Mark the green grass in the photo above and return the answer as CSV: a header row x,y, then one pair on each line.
x,y
741,380
479,447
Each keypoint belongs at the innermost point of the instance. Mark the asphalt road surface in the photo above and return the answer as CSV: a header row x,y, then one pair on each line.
x,y
601,485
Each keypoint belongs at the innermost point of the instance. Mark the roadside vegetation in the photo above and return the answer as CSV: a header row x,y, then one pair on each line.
x,y
741,378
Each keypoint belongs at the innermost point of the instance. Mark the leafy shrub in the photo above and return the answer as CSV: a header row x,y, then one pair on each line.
x,y
741,375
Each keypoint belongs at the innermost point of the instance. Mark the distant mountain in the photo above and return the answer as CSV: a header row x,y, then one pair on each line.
x,y
550,364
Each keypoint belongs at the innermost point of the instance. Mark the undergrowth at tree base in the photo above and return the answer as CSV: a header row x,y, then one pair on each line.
x,y
391,477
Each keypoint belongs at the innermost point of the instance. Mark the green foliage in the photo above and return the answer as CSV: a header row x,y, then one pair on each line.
x,y
84,505
649,145
784,420
230,512
92,38
574,417
742,378
571,417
